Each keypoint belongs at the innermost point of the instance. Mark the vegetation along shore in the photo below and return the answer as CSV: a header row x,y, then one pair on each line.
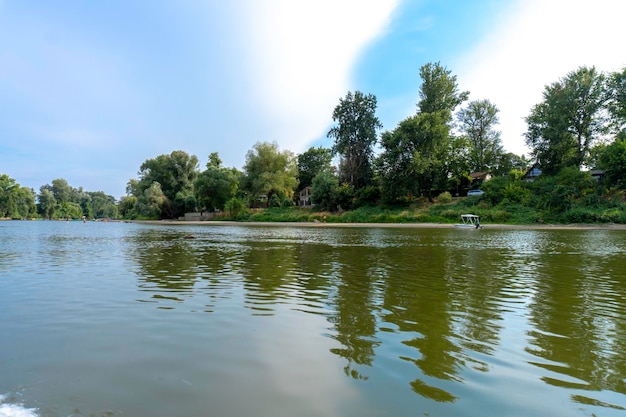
x,y
443,161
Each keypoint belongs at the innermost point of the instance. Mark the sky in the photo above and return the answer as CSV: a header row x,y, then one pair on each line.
x,y
89,90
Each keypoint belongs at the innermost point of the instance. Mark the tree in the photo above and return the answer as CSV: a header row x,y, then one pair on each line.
x,y
420,153
397,161
414,156
478,122
563,127
25,202
612,159
152,203
311,163
439,90
175,173
617,101
216,185
269,171
47,202
62,191
355,136
8,196
324,189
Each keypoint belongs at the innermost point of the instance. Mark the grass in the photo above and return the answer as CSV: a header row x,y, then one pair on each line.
x,y
506,212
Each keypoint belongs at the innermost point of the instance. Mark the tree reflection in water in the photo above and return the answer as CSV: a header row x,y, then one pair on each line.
x,y
432,297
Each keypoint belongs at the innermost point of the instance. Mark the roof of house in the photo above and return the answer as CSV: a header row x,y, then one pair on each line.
x,y
480,174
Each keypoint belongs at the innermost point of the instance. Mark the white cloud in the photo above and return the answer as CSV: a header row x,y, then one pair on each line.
x,y
536,43
302,54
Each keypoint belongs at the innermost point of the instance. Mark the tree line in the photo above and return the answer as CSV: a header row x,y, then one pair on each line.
x,y
57,200
579,124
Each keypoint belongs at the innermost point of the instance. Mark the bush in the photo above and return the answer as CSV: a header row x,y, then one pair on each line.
x,y
236,209
580,215
613,215
444,198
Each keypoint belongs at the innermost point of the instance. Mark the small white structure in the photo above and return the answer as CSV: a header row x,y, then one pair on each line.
x,y
469,221
305,197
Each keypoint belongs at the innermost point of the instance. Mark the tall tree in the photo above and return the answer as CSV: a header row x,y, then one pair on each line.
x,y
563,127
420,153
268,172
478,121
617,101
355,136
311,163
439,90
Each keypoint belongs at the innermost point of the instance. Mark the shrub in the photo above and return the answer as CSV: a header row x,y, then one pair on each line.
x,y
580,215
444,198
236,208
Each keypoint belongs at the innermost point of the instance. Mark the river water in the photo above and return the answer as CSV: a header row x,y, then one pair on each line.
x,y
117,319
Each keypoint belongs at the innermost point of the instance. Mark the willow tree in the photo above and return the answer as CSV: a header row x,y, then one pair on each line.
x,y
355,136
270,173
175,174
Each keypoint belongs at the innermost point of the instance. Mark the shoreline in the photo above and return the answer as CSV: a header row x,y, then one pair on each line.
x,y
499,226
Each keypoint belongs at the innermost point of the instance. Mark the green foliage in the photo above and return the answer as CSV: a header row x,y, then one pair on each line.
x,y
345,196
439,90
175,173
47,202
126,207
269,171
444,198
281,214
69,210
216,185
324,190
478,121
16,202
355,136
617,101
517,193
367,196
612,159
563,127
311,163
414,156
236,209
153,203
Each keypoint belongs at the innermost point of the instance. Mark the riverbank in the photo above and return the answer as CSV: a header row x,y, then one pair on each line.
x,y
608,226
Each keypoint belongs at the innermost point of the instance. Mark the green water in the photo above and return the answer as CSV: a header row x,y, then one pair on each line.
x,y
115,319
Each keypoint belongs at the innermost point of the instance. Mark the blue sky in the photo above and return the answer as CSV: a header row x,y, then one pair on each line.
x,y
89,90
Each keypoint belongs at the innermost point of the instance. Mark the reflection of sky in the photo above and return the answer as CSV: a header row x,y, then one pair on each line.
x,y
473,302
298,365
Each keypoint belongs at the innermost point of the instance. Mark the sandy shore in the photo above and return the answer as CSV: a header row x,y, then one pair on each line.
x,y
609,226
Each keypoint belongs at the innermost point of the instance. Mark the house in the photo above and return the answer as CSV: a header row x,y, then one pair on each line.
x,y
532,174
478,177
305,197
597,174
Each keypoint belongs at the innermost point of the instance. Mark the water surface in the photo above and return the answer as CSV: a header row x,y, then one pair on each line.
x,y
115,319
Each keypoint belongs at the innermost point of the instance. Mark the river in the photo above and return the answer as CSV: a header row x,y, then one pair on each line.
x,y
117,319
